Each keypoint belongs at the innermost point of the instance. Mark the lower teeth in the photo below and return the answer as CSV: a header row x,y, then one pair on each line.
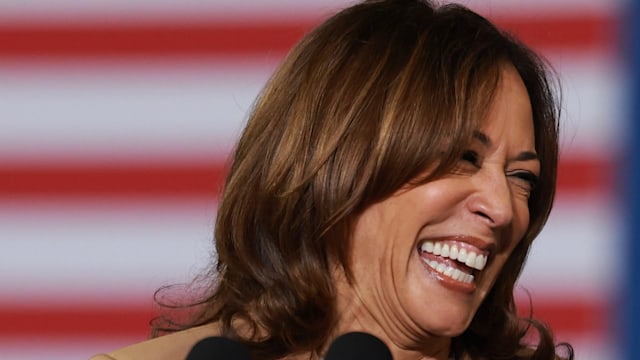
x,y
449,271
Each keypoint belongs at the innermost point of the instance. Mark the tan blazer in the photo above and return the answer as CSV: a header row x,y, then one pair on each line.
x,y
174,346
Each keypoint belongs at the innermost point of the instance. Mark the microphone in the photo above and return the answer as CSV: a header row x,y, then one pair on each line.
x,y
218,347
358,346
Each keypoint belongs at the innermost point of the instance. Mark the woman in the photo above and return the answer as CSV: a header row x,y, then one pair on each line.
x,y
391,179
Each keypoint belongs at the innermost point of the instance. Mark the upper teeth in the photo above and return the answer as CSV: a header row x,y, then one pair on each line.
x,y
466,256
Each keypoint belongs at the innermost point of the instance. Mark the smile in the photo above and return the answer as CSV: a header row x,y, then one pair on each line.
x,y
453,259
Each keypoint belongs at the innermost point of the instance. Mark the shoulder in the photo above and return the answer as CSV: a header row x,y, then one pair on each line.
x,y
169,347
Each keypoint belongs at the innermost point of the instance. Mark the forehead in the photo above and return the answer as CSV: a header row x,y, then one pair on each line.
x,y
510,116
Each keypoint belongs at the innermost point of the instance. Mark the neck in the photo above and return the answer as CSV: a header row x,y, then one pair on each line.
x,y
403,342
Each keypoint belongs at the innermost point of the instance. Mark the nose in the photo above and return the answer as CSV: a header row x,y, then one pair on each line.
x,y
492,198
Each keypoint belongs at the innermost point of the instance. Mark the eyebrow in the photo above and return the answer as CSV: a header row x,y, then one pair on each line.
x,y
486,141
483,138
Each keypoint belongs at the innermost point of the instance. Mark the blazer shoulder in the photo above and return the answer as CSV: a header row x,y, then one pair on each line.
x,y
168,347
102,357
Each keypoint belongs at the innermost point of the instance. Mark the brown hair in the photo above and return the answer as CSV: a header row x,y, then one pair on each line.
x,y
363,105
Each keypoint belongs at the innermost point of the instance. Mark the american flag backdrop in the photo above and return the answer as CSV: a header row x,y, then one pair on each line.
x,y
116,119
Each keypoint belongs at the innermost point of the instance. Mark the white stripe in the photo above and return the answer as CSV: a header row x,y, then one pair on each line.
x,y
577,251
61,349
72,10
593,103
121,112
541,7
187,110
102,250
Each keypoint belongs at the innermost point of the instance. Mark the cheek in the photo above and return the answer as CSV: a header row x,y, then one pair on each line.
x,y
517,232
371,237
521,219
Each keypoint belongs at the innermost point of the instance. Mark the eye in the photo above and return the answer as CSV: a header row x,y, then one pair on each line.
x,y
470,162
471,157
526,180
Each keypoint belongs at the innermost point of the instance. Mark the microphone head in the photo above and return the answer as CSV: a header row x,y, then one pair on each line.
x,y
358,346
218,347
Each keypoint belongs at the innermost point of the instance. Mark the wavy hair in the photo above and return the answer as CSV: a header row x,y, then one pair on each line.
x,y
363,105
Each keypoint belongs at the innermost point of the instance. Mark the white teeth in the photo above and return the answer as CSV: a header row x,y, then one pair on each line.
x,y
471,259
462,255
449,271
467,257
445,251
427,246
457,274
437,249
453,254
480,262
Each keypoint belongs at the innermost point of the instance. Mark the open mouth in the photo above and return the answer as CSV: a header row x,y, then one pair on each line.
x,y
454,260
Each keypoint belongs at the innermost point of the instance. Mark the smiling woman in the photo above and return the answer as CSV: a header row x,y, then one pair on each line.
x,y
390,180
435,249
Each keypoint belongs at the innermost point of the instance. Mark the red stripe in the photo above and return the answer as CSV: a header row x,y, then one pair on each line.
x,y
590,174
575,176
583,32
74,322
151,40
571,317
566,32
576,315
120,180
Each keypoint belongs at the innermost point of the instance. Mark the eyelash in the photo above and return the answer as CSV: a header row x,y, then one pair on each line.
x,y
529,177
473,158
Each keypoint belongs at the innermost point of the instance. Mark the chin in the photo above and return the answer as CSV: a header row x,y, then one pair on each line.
x,y
449,316
437,308
449,325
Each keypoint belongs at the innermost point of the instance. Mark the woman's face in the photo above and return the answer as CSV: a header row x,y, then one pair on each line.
x,y
425,258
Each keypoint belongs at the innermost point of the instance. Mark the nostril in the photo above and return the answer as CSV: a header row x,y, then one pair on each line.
x,y
484,215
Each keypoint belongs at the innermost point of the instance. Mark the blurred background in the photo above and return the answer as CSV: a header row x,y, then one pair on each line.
x,y
116,119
